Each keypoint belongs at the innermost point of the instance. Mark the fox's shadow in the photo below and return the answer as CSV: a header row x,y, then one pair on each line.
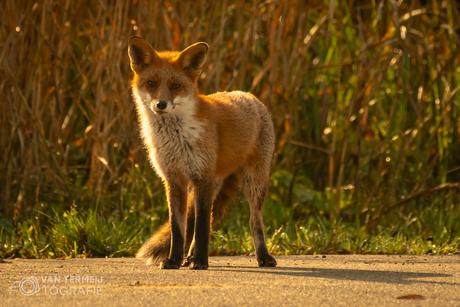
x,y
391,277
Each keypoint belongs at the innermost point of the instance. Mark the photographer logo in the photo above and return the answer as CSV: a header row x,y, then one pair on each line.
x,y
27,286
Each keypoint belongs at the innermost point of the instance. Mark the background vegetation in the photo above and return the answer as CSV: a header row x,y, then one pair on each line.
x,y
364,97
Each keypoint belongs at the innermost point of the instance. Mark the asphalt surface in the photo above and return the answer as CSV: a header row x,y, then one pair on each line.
x,y
332,280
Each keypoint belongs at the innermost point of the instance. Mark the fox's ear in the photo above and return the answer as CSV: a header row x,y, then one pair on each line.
x,y
192,59
141,54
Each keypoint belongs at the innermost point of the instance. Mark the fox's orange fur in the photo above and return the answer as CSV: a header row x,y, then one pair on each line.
x,y
203,147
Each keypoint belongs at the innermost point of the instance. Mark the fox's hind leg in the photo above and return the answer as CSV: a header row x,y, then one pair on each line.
x,y
190,225
256,189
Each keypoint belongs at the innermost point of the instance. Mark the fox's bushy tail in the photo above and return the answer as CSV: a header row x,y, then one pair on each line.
x,y
157,247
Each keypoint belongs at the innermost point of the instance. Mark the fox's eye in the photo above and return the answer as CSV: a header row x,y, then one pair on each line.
x,y
152,83
175,86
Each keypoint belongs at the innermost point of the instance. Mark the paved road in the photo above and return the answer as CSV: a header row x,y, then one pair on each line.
x,y
332,280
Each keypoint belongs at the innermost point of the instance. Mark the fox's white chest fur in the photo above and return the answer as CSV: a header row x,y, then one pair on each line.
x,y
172,139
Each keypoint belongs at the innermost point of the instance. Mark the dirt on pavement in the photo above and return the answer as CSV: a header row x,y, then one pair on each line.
x,y
314,280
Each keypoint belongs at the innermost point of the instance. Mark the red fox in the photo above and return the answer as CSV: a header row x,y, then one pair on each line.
x,y
203,147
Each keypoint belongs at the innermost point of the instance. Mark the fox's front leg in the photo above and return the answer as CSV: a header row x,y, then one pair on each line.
x,y
177,202
203,191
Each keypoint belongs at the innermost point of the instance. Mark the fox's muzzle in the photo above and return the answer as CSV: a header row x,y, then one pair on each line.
x,y
161,106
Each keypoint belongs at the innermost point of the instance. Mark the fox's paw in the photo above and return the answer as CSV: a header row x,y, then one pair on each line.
x,y
266,261
186,262
197,264
170,264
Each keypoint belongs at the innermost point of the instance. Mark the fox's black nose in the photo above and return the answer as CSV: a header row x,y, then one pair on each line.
x,y
162,104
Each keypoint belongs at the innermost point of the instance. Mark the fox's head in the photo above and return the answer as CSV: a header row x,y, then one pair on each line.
x,y
164,81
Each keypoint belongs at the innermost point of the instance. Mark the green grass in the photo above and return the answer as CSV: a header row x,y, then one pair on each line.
x,y
76,235
71,235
